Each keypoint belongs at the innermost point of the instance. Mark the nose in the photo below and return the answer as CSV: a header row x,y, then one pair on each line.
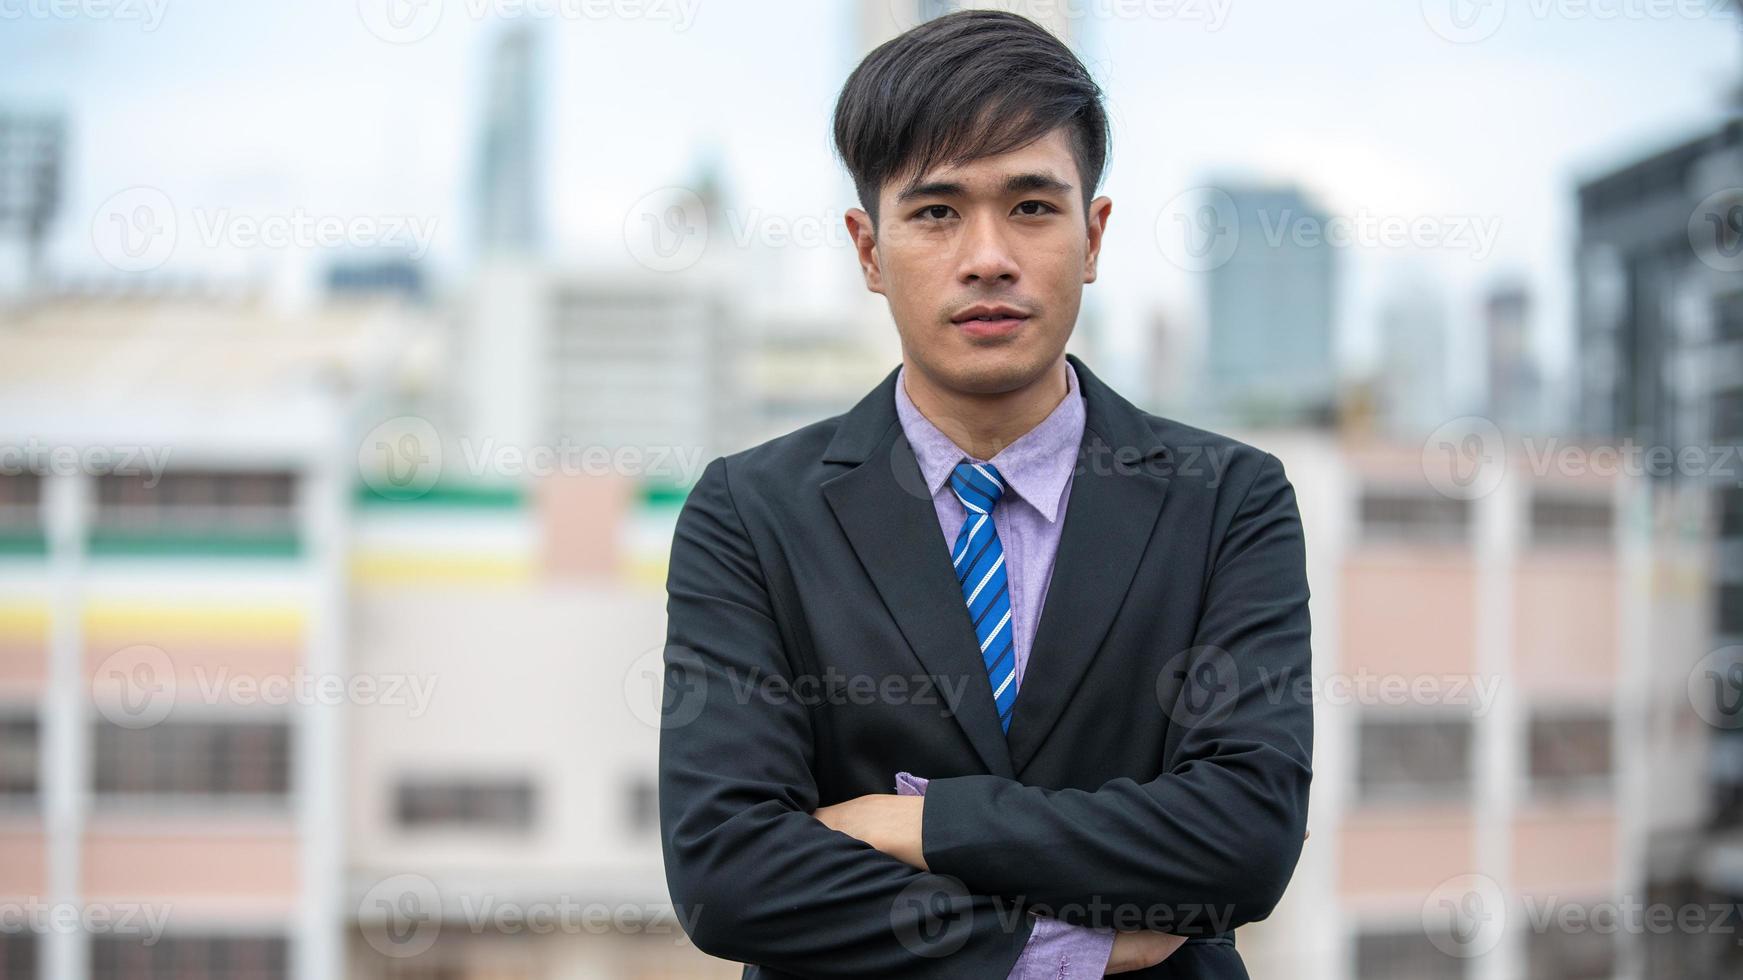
x,y
983,254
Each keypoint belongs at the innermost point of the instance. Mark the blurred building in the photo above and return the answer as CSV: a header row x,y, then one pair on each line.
x,y
172,581
1502,724
32,161
1660,368
549,357
792,374
511,830
1269,357
197,539
510,161
1169,358
1412,382
1656,247
1515,383
375,274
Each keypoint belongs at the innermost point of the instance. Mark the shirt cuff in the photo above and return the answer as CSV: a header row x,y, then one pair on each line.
x,y
1056,950
1060,951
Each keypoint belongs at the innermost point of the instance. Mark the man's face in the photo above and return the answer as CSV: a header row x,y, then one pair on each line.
x,y
1004,236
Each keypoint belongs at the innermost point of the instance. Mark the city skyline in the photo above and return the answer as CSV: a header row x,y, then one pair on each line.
x,y
361,126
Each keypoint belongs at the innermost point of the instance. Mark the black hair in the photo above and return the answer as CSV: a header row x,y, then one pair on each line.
x,y
970,84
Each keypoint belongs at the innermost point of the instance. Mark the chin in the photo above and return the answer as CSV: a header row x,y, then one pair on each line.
x,y
993,370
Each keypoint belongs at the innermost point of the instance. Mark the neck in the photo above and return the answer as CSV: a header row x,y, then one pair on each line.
x,y
984,424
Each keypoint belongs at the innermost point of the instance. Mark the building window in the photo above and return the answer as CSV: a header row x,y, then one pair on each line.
x,y
20,500
21,514
18,760
196,496
472,961
1728,317
416,970
1728,611
188,958
1429,518
1405,953
644,805
1669,952
227,759
1561,519
1730,512
1412,759
1728,415
1570,752
17,954
500,804
1581,953
196,509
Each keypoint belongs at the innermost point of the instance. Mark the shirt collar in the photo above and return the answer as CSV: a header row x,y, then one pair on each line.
x,y
1037,465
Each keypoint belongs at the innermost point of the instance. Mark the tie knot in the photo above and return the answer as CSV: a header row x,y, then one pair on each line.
x,y
977,485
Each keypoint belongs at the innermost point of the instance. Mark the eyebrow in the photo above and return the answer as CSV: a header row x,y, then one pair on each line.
x,y
1014,184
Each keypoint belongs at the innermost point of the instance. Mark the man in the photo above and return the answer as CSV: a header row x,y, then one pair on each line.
x,y
995,674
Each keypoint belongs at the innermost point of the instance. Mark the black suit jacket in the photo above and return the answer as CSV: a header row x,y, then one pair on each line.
x,y
1156,770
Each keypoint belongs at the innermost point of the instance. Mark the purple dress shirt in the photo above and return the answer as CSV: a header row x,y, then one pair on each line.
x,y
1036,470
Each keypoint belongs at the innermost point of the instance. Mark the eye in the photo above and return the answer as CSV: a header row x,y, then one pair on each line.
x,y
1040,204
929,210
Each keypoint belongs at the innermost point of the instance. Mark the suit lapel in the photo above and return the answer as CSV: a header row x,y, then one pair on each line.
x,y
884,509
1114,504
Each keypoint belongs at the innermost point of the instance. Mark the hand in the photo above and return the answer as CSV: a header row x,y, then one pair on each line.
x,y
1145,948
1141,949
887,822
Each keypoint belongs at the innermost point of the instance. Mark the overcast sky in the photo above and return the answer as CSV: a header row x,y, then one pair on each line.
x,y
265,108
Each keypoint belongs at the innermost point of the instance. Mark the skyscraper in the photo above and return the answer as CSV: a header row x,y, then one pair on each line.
x,y
1269,349
1515,383
1413,360
510,172
1656,244
32,149
1659,359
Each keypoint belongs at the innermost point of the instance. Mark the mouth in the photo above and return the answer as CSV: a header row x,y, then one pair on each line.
x,y
990,320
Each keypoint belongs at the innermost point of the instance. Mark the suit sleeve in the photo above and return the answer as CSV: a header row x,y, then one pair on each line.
x,y
755,877
1210,843
1056,950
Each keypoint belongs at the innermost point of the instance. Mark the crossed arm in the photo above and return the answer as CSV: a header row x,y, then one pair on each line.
x,y
1206,846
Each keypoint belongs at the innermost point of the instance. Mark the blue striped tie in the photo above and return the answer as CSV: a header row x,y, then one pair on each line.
x,y
980,570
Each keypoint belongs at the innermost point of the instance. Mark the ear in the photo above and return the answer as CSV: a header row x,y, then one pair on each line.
x,y
1095,225
865,245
